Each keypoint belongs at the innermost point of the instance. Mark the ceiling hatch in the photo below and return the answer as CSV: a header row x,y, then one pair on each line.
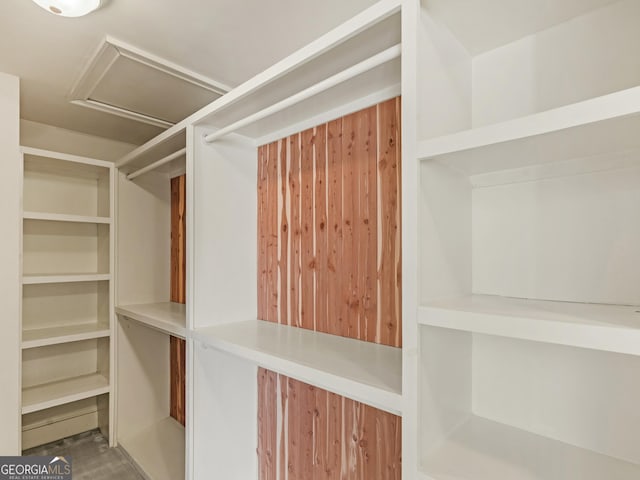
x,y
129,82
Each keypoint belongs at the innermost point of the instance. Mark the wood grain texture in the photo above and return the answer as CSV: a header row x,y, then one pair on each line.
x,y
332,234
178,239
177,346
323,436
329,227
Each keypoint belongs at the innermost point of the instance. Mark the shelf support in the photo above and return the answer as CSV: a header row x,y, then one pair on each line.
x,y
157,164
351,72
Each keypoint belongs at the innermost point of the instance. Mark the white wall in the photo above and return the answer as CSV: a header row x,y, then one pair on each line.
x,y
39,135
10,219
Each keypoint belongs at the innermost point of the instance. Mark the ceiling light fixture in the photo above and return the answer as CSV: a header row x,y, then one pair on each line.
x,y
69,8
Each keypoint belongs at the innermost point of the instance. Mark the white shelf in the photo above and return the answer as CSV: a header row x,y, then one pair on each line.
x,y
600,125
57,393
612,328
362,371
68,278
484,450
59,217
63,334
167,317
159,450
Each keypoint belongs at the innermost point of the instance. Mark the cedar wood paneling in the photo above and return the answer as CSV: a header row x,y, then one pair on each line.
x,y
329,260
178,294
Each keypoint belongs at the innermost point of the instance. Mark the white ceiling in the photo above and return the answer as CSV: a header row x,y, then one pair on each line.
x,y
226,40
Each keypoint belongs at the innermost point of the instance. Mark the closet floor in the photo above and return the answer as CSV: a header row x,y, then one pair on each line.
x,y
92,459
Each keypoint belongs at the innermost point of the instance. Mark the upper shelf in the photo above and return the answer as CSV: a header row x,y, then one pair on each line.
x,y
168,317
368,33
605,124
602,327
363,371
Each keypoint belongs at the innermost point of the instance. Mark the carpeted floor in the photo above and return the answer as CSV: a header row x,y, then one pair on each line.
x,y
91,457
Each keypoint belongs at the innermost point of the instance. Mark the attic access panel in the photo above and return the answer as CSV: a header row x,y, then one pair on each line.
x,y
123,80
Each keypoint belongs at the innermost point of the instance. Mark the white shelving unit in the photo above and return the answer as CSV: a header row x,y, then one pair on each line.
x,y
520,231
526,155
223,348
67,298
153,440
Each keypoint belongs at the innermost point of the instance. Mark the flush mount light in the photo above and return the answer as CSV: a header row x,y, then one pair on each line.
x,y
69,8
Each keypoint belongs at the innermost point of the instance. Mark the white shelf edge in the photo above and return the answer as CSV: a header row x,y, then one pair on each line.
x,y
371,16
61,217
101,387
65,157
383,399
614,105
156,316
70,278
67,338
611,338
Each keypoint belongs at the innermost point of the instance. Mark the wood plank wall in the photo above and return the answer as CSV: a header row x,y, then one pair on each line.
x,y
306,433
177,346
329,260
329,241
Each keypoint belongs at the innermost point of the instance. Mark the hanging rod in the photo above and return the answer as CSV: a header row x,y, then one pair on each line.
x,y
157,164
351,72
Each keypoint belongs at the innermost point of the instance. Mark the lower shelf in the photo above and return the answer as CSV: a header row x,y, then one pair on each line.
x,y
70,390
481,449
72,333
159,450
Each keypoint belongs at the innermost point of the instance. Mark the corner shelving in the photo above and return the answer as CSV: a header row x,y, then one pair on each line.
x,y
526,154
363,371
